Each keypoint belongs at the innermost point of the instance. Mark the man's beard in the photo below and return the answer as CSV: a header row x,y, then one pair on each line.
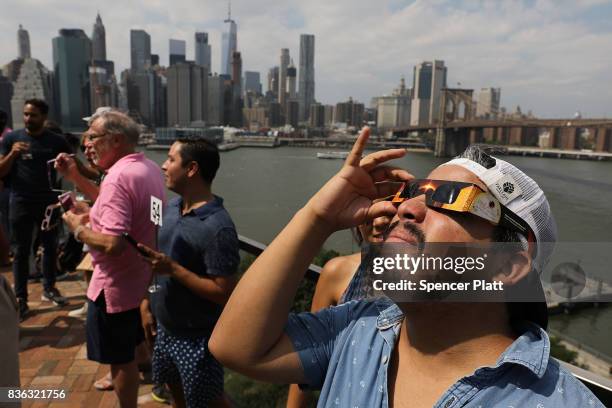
x,y
33,127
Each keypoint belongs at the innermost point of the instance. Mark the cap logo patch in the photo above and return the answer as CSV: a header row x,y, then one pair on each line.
x,y
506,189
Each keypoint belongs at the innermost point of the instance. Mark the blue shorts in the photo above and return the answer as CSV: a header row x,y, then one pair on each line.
x,y
187,361
112,337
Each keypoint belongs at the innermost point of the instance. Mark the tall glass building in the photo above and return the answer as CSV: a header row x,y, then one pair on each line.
x,y
306,75
140,50
71,58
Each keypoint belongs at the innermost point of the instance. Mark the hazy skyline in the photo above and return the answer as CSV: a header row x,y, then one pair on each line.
x,y
548,56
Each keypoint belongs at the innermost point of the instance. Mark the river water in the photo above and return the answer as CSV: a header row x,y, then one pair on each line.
x,y
263,188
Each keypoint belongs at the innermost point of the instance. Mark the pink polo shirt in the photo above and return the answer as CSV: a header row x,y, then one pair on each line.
x,y
123,205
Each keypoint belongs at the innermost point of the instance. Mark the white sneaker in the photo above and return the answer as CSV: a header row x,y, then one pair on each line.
x,y
80,313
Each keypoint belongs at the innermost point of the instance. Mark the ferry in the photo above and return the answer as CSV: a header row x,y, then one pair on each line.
x,y
332,155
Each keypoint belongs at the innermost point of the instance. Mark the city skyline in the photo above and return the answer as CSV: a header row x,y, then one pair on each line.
x,y
548,57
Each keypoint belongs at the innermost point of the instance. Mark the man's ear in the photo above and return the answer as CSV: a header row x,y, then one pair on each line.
x,y
192,169
514,268
117,140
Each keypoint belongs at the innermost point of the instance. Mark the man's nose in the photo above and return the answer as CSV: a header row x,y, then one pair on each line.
x,y
413,210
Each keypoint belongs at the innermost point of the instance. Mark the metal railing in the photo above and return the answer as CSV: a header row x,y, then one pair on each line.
x,y
255,248
600,386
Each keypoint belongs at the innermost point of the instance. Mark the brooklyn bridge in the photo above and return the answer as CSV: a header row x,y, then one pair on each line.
x,y
456,128
454,136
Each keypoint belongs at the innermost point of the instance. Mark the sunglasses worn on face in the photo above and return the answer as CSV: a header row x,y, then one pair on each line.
x,y
463,198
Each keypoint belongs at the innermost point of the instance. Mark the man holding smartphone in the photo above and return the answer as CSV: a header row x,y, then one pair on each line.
x,y
196,269
25,153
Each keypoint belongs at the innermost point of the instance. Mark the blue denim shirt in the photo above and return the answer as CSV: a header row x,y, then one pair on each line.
x,y
345,351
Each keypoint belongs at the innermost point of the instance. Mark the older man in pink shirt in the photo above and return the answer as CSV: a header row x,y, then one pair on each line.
x,y
120,278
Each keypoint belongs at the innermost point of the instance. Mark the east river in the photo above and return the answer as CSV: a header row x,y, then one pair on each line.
x,y
263,188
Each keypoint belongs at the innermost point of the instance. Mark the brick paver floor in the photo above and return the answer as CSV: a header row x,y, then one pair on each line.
x,y
53,351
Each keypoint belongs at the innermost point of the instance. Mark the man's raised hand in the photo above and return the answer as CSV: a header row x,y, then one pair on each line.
x,y
345,200
66,165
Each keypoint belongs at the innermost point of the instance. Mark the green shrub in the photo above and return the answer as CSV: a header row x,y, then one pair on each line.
x,y
247,393
559,351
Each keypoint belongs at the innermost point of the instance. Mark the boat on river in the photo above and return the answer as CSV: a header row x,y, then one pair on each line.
x,y
332,155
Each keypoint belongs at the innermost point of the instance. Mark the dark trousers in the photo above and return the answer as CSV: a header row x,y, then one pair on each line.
x,y
4,210
25,219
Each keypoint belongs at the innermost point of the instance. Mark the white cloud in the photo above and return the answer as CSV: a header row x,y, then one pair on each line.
x,y
549,56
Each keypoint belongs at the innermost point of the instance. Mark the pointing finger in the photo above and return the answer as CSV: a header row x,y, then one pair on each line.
x,y
355,155
389,173
372,160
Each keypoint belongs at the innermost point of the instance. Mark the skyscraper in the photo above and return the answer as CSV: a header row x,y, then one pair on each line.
x,y
71,58
178,51
429,79
329,114
140,49
291,81
141,94
229,43
237,68
236,108
282,78
23,43
103,88
306,74
394,110
273,83
98,40
252,82
488,103
317,115
292,117
187,93
349,112
216,92
292,111
33,81
202,50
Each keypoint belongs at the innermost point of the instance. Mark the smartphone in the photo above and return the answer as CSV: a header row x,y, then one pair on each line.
x,y
134,243
67,200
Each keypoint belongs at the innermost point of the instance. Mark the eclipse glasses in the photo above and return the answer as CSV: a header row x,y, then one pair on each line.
x,y
462,197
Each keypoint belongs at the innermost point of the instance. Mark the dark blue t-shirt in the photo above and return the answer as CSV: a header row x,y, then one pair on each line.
x,y
29,178
205,242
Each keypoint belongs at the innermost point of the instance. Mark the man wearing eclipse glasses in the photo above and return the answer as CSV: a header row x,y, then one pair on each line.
x,y
378,353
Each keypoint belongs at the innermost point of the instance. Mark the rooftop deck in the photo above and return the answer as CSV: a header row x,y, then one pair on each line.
x,y
53,352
